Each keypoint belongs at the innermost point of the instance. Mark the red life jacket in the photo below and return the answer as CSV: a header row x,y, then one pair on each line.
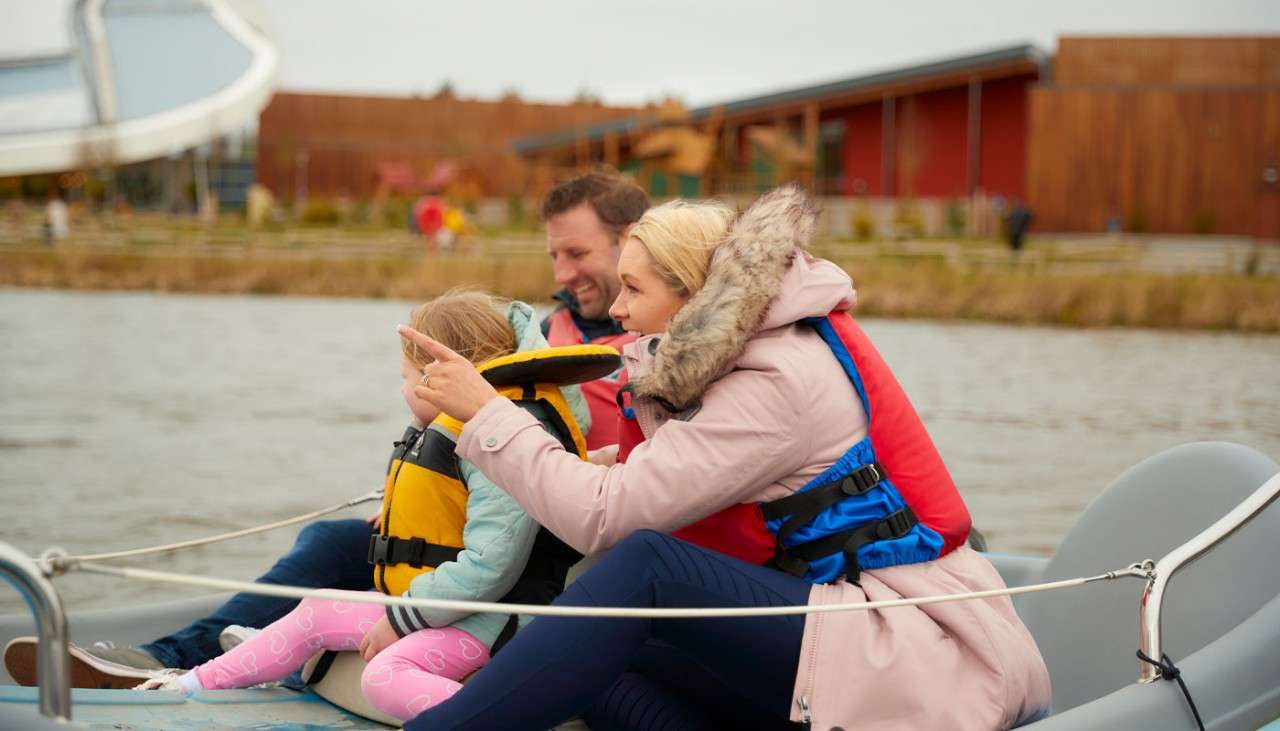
x,y
601,393
889,500
738,530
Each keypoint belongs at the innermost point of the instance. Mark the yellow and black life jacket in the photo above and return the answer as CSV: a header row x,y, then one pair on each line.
x,y
424,505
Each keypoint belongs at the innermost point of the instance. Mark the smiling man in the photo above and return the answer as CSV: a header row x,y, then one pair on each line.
x,y
587,218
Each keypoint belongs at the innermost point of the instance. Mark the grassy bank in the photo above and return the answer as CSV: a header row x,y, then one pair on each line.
x,y
887,287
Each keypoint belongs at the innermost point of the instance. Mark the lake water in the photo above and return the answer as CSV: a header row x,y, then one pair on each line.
x,y
135,419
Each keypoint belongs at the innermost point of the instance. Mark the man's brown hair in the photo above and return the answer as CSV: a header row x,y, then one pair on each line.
x,y
617,202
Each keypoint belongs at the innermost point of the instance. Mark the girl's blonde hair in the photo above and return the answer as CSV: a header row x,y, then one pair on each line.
x,y
470,323
681,236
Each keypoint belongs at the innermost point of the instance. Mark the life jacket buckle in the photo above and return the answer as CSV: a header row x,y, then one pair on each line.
x,y
379,549
862,480
896,525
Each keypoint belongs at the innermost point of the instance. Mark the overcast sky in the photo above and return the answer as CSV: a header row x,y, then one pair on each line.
x,y
702,51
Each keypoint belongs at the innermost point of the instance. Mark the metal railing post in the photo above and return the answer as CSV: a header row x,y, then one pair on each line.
x,y
53,668
1180,557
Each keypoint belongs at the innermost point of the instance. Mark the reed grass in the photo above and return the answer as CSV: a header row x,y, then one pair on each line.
x,y
887,287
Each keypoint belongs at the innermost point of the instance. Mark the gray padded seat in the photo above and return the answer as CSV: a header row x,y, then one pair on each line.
x,y
1089,635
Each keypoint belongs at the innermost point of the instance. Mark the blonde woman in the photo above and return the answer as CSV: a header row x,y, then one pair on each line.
x,y
767,412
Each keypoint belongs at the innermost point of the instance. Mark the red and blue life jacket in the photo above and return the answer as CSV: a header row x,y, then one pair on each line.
x,y
888,500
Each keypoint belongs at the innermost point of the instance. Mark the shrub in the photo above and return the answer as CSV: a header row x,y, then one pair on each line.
x,y
395,212
515,210
862,223
957,218
320,213
907,221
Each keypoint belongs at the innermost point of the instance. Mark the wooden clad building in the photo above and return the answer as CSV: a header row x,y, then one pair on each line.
x,y
325,145
944,129
1171,135
1176,135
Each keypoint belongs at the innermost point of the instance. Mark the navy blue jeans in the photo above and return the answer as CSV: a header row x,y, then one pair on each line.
x,y
639,673
330,554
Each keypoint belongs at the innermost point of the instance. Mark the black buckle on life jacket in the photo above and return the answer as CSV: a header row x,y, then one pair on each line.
x,y
417,552
806,505
796,560
893,525
861,480
802,507
378,549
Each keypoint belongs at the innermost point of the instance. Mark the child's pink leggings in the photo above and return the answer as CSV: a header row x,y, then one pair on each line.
x,y
410,675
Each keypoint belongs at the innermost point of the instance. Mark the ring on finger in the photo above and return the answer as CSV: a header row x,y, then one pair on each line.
x,y
424,379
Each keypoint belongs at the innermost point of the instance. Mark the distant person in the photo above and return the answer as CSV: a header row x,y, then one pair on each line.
x,y
586,218
57,219
453,227
478,541
1017,220
428,215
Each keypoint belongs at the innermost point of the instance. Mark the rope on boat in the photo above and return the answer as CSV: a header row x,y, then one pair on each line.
x,y
1142,570
57,562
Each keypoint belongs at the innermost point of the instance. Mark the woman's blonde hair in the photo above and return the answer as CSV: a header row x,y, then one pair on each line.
x,y
681,236
470,323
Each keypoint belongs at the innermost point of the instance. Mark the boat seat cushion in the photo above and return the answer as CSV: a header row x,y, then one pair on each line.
x,y
1089,635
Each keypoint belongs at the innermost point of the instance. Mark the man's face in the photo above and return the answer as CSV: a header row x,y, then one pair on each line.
x,y
584,257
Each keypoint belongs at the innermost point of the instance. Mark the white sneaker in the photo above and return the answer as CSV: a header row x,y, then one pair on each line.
x,y
233,634
167,679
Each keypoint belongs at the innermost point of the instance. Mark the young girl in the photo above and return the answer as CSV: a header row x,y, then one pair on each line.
x,y
446,532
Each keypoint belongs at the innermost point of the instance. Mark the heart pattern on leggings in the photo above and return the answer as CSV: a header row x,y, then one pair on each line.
x,y
280,647
305,617
381,674
418,704
434,659
471,649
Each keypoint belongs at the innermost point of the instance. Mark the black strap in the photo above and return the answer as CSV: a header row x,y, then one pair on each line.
x,y
508,631
814,501
795,560
1169,671
803,507
322,667
417,552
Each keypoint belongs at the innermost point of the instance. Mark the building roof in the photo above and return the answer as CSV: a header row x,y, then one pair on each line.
x,y
86,82
863,83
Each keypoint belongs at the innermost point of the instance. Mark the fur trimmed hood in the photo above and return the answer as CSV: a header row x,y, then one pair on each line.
x,y
747,272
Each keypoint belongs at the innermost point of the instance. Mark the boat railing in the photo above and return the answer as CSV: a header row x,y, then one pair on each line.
x,y
31,578
1184,555
53,667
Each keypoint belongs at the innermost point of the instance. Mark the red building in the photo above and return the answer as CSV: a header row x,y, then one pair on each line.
x,y
1175,135
937,130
